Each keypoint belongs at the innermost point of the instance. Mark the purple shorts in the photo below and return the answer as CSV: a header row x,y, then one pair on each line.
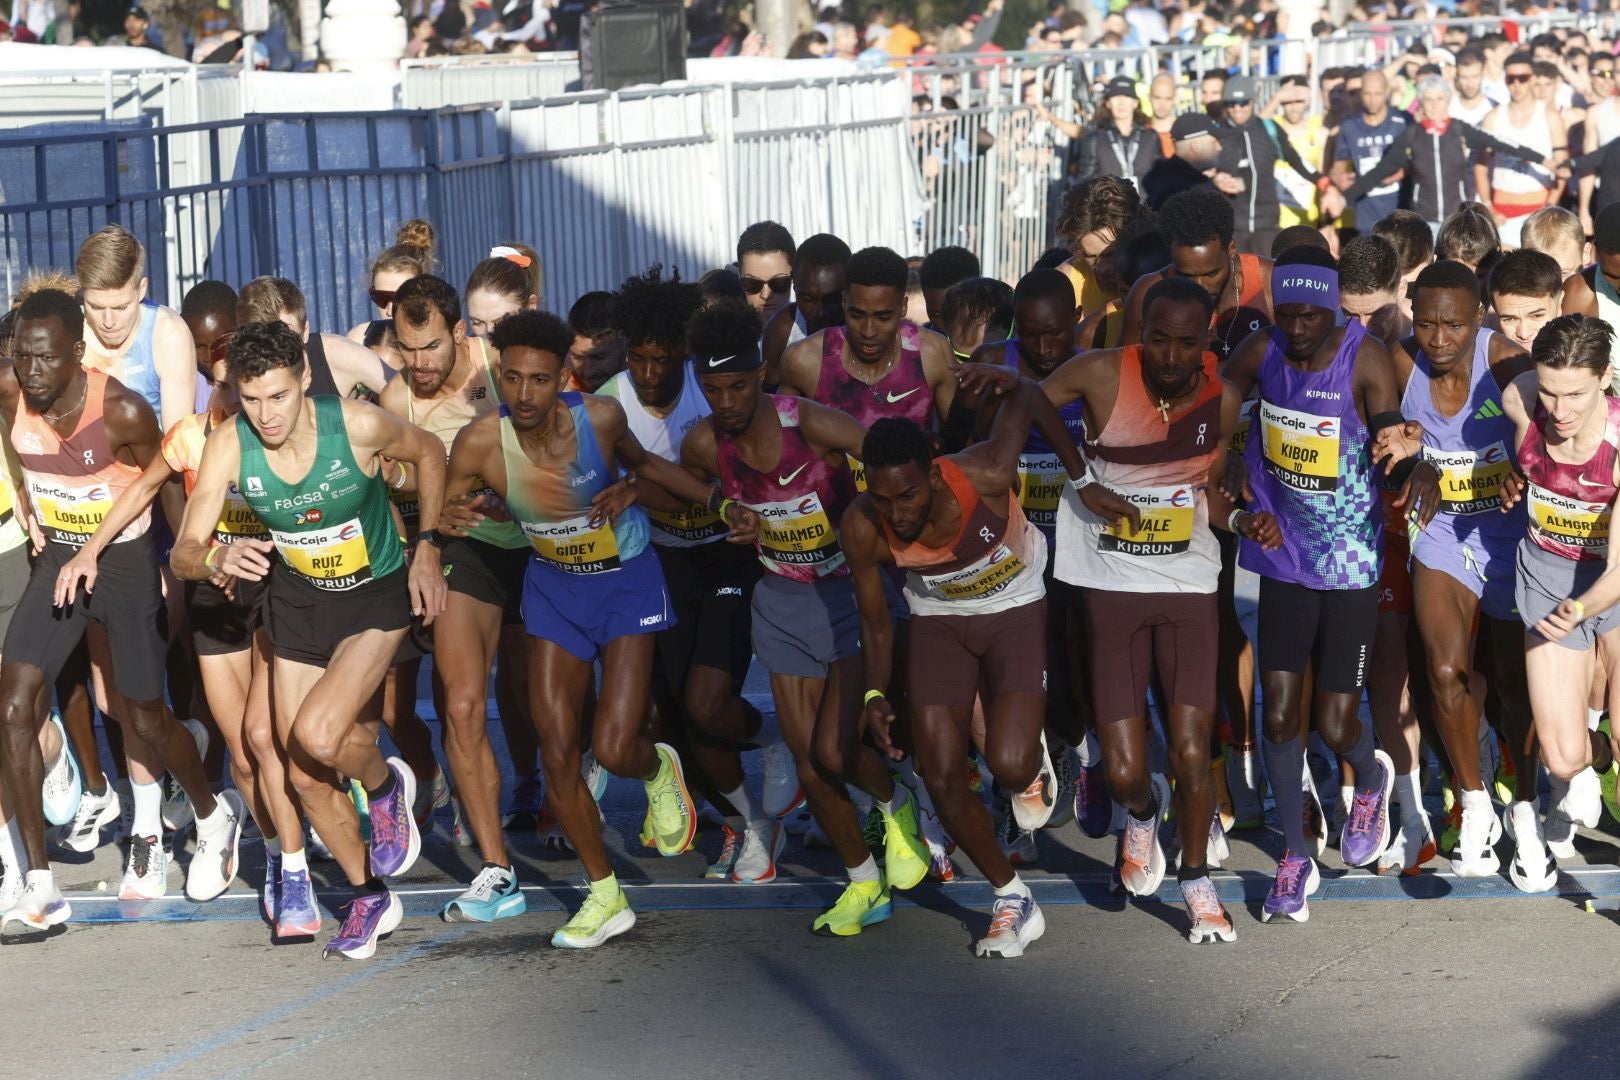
x,y
1486,564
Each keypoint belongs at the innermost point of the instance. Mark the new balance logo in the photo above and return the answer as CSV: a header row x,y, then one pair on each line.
x,y
1488,411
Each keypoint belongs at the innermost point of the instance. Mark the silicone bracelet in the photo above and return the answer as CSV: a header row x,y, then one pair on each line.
x,y
873,695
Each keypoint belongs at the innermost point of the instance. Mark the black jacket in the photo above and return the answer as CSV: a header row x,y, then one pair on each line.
x,y
1250,153
1438,164
1105,152
1170,176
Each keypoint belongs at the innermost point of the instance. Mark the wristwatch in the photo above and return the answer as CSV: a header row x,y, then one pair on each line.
x,y
434,537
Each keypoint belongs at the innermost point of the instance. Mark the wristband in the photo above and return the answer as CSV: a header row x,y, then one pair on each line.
x,y
208,556
1323,183
400,481
873,695
724,504
1231,519
1580,610
717,498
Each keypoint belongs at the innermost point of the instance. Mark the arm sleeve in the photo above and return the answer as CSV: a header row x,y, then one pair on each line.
x,y
1286,151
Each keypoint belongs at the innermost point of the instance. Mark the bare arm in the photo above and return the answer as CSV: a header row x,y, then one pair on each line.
x,y
864,549
938,363
375,432
132,427
174,357
829,430
221,462
800,368
356,370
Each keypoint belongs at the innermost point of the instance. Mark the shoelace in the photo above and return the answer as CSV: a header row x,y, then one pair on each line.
x,y
728,848
1008,911
488,882
1139,838
295,892
1201,898
140,855
1289,871
354,923
1363,812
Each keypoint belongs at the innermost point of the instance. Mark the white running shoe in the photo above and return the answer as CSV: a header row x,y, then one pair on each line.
x,y
783,792
1018,844
595,777
177,811
429,798
213,867
1140,857
62,788
1033,806
41,907
1316,825
11,885
940,845
1532,868
1219,849
95,811
1015,922
761,846
146,873
1481,829
1583,799
1408,850
1210,922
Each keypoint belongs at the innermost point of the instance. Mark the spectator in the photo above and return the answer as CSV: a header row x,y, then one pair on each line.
x,y
1198,151
136,24
1120,143
1289,114
421,34
1247,173
1470,103
1362,142
902,39
1514,187
810,45
1162,100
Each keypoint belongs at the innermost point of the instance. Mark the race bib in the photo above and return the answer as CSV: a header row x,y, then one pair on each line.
x,y
857,469
69,515
1302,449
1245,420
1569,521
236,520
1041,479
1168,515
8,502
334,558
1470,482
798,533
694,524
991,574
575,546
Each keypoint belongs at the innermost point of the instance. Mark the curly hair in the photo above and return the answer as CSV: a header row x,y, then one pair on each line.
x,y
1102,202
1190,218
724,327
649,308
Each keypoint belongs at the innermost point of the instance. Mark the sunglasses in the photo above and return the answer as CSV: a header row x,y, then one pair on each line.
x,y
383,298
753,286
1603,73
1238,104
1511,79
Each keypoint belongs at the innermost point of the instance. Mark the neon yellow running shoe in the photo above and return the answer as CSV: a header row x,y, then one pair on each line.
x,y
1609,779
604,914
646,836
905,852
1506,781
862,904
669,804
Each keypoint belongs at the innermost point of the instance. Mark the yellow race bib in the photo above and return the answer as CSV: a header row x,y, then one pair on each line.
x,y
1245,420
574,546
333,558
236,520
1568,521
990,575
69,515
1168,516
1470,482
857,469
1301,448
1041,479
798,533
693,525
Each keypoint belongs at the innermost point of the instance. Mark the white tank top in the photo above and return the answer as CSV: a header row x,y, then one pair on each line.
x,y
662,435
1515,174
1608,121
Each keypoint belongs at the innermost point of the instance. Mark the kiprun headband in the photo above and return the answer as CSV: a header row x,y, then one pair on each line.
x,y
1305,283
747,360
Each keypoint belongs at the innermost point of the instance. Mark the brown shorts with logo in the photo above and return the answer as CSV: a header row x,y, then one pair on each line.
x,y
1135,634
953,657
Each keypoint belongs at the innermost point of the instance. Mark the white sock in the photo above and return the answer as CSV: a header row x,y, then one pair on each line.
x,y
148,799
1015,887
293,861
895,801
1089,751
12,852
744,803
1476,800
1411,800
1347,794
1594,717
867,871
272,845
43,879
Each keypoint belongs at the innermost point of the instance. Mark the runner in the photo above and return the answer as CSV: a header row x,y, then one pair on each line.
x,y
336,365
508,281
973,569
784,458
598,351
1369,286
337,603
818,299
72,477
1326,393
1596,290
939,270
1526,290
591,590
209,309
1094,218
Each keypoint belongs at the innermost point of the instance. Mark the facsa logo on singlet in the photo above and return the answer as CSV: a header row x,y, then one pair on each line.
x,y
302,499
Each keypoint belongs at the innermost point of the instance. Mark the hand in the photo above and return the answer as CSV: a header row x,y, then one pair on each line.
x,y
1420,495
82,567
744,524
1395,443
1512,490
994,6
1227,184
1332,202
986,380
613,500
1261,528
465,512
1561,622
753,45
878,717
1235,484
247,558
425,580
1110,505
36,535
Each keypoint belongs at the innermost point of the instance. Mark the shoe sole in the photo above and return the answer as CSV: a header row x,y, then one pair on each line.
x,y
20,931
776,853
510,907
298,930
798,801
413,847
1029,934
669,851
1313,885
1034,813
876,915
386,925
615,926
1199,935
239,808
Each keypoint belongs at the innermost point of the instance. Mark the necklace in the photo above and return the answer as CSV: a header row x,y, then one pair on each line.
x,y
53,418
1232,279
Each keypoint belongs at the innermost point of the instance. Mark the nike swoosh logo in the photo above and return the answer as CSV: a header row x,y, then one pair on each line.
x,y
788,479
894,397
723,359
1584,482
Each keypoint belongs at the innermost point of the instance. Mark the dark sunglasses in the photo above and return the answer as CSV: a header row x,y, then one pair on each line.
x,y
1238,104
221,346
779,284
1603,73
1511,79
382,297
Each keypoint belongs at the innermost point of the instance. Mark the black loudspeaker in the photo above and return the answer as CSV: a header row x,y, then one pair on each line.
x,y
623,44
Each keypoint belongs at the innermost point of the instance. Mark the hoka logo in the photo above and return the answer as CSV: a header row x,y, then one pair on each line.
x,y
1488,411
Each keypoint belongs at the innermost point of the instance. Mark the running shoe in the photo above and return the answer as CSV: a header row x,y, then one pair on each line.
x,y
673,817
1316,829
1140,856
862,904
1609,779
1583,799
11,885
526,801
95,811
1506,780
1532,868
146,872
430,798
905,855
1559,830
1219,849
270,888
1412,847
1093,806
1017,844
783,793
604,914
317,847
730,844
1297,881
296,915
940,844
645,837
1223,795
595,777
1246,781
213,867
493,894
1209,919
1453,828
1015,922
362,808
460,831
975,776
63,787
395,841
761,846
1480,831
177,811
872,832
371,916
41,907
1066,763
1366,830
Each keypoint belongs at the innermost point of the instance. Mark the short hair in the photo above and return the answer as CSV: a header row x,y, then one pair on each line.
x,y
765,236
1139,250
894,441
724,328
110,258
1551,226
977,301
1190,218
1546,41
48,278
1053,257
1412,237
1447,274
1493,39
53,304
1468,235
263,300
652,308
412,253
1178,290
1606,229
1574,341
1544,69
1519,57
1307,255
1470,54
822,249
592,314
1044,284
1527,273
1368,264
945,266
259,348
508,278
209,299
535,330
721,284
419,297
1434,81
878,266
1297,236
1102,202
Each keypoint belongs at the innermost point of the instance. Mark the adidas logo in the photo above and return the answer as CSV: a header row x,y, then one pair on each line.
x,y
1488,411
